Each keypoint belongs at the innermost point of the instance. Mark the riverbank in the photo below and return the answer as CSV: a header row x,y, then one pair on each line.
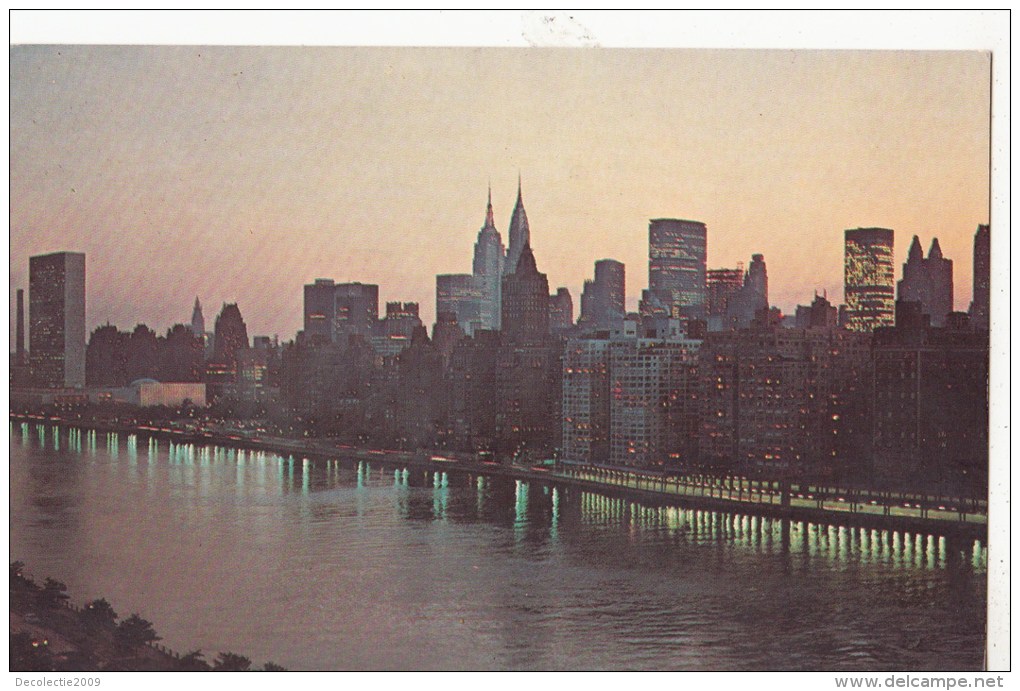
x,y
953,518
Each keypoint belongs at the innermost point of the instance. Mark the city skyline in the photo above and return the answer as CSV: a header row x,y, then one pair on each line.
x,y
219,172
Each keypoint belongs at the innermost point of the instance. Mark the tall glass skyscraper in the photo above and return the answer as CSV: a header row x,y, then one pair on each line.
x,y
56,315
677,252
869,288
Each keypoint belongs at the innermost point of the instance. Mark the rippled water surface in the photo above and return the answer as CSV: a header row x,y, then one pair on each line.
x,y
347,565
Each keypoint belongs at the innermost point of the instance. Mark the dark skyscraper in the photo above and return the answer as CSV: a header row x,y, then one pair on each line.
x,y
928,281
357,310
56,294
519,233
980,315
752,298
320,310
336,311
526,301
488,268
868,280
603,302
757,281
561,310
677,252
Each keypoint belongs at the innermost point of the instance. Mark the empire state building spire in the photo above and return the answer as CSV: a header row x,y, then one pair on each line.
x,y
488,270
489,221
520,233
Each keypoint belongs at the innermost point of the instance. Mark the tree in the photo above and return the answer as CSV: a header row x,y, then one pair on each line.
x,y
193,662
54,593
273,667
231,662
18,575
99,614
135,631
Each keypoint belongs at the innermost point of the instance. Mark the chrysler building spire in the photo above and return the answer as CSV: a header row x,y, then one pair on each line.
x,y
520,233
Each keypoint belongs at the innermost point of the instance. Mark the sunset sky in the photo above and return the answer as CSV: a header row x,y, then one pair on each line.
x,y
241,174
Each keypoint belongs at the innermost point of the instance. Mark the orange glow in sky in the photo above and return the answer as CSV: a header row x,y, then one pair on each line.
x,y
241,174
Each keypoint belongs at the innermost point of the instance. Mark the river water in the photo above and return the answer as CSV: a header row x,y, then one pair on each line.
x,y
341,565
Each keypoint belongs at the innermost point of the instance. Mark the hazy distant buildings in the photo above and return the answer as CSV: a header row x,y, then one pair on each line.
x,y
603,302
721,285
928,281
820,314
488,269
561,311
463,295
56,294
751,298
677,251
868,281
979,308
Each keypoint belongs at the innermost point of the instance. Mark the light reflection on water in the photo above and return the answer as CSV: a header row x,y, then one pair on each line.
x,y
349,565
